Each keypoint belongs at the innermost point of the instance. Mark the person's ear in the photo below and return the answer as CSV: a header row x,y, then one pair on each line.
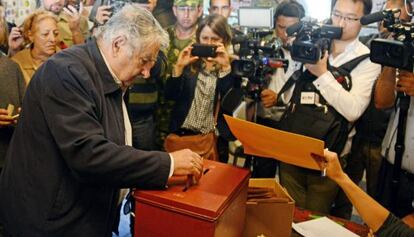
x,y
200,11
117,44
175,10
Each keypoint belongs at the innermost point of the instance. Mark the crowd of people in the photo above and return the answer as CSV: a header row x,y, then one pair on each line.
x,y
89,90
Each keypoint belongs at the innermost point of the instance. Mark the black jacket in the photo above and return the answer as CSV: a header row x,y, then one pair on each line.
x,y
67,159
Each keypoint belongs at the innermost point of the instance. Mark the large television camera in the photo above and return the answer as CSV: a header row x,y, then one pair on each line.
x,y
259,58
259,53
396,52
312,40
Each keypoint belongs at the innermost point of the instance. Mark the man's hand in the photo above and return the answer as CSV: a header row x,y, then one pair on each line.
x,y
15,41
6,119
74,17
320,67
406,83
103,14
268,98
187,162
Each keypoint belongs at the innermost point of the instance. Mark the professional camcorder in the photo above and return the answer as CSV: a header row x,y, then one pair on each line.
x,y
259,53
259,58
397,53
312,40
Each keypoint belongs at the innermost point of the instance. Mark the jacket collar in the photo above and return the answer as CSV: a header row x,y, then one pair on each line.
x,y
108,81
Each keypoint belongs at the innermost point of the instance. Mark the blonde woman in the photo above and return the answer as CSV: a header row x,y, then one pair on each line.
x,y
41,33
3,32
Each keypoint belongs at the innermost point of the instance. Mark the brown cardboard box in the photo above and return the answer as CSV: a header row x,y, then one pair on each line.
x,y
269,219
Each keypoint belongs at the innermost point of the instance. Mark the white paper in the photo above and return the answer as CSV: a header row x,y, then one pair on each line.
x,y
322,227
240,111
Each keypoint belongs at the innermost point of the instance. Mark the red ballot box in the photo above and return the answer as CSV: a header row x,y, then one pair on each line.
x,y
216,206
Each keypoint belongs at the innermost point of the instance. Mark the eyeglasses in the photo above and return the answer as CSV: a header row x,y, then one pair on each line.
x,y
345,18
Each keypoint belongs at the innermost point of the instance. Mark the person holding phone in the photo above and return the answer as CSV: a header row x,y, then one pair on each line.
x,y
72,25
197,82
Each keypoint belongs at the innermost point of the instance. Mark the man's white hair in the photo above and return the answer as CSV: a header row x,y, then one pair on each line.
x,y
138,25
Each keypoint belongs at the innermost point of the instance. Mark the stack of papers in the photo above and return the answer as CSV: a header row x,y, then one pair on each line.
x,y
322,227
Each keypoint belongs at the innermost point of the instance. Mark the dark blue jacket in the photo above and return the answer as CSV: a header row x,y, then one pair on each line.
x,y
67,159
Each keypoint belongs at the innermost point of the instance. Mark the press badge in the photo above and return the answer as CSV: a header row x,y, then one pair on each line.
x,y
309,98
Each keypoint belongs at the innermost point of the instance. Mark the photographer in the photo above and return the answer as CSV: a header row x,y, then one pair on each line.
x,y
306,186
287,13
387,85
198,82
370,130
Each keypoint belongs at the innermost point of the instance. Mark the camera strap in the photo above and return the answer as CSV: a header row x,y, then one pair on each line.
x,y
342,75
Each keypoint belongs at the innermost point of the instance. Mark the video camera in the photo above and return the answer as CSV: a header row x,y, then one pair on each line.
x,y
397,53
259,53
312,40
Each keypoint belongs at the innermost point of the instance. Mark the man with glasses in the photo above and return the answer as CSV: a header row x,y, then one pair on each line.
x,y
307,188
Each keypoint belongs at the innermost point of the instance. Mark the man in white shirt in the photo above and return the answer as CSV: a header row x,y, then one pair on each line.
x,y
307,187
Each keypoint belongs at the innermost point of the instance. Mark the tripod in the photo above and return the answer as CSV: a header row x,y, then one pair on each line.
x,y
404,102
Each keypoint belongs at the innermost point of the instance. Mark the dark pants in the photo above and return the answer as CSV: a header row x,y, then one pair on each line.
x,y
223,149
404,196
364,156
308,188
143,132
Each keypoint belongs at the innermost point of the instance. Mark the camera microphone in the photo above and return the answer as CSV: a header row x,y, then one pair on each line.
x,y
239,39
371,18
294,28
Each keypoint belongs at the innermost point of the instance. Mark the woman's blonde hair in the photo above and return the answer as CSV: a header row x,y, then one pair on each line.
x,y
33,19
4,32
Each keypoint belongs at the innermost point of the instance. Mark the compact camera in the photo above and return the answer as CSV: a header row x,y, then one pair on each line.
x,y
204,50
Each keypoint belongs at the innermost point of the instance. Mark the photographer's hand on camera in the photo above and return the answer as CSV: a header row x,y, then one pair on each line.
x,y
385,88
103,14
320,67
184,58
222,58
405,83
268,98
